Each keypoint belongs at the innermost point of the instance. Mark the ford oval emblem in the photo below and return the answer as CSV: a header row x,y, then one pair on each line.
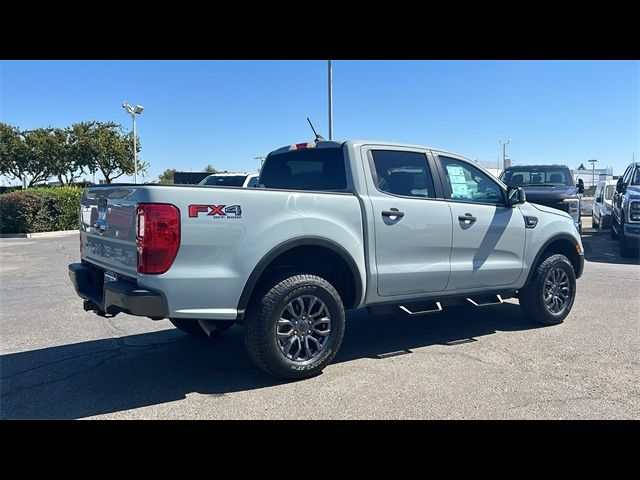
x,y
100,225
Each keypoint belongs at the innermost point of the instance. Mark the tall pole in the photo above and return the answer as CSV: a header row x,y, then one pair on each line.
x,y
330,81
135,153
261,158
593,171
504,151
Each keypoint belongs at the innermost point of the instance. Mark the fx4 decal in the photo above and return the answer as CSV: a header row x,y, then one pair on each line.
x,y
219,211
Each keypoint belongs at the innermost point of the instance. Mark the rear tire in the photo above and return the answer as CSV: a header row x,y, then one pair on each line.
x,y
193,328
283,317
550,294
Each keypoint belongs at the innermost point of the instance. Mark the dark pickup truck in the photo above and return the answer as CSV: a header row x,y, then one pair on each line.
x,y
625,221
550,185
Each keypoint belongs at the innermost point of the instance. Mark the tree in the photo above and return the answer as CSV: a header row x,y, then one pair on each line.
x,y
210,169
104,147
13,152
68,165
166,177
27,154
582,167
45,149
43,152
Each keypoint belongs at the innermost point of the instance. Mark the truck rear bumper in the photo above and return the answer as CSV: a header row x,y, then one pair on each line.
x,y
114,297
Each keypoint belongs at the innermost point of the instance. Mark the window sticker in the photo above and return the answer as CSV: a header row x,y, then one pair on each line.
x,y
459,187
460,190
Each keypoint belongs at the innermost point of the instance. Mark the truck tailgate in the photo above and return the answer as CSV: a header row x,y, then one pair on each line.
x,y
107,227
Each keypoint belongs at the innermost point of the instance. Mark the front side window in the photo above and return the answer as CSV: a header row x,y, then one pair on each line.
x,y
467,183
403,173
636,177
626,178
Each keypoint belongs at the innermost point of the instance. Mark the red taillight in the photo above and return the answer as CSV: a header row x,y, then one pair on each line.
x,y
157,236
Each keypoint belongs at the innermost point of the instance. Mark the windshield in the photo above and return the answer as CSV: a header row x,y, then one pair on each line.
x,y
224,180
609,191
537,176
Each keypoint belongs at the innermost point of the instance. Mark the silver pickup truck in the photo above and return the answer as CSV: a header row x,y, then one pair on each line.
x,y
332,226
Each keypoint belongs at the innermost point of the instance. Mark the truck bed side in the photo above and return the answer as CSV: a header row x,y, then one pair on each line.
x,y
225,233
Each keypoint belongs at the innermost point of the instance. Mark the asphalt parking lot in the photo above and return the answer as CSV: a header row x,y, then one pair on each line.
x,y
57,361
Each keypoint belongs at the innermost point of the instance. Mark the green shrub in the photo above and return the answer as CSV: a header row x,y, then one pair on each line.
x,y
68,202
40,210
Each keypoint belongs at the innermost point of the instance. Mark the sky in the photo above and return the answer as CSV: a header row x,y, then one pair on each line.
x,y
225,113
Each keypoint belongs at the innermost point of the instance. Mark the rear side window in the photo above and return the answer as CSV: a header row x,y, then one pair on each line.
x,y
403,173
308,169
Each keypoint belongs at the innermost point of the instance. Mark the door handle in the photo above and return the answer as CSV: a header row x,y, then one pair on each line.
x,y
394,212
467,218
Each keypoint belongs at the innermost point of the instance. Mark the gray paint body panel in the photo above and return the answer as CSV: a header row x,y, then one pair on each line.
x,y
408,260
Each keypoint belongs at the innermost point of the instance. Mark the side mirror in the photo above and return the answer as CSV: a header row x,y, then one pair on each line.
x,y
599,200
516,195
580,185
621,187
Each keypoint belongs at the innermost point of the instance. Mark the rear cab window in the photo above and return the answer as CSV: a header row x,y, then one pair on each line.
x,y
319,169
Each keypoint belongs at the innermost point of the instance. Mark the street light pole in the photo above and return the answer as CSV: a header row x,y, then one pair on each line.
x,y
504,151
593,171
133,111
330,82
261,158
135,153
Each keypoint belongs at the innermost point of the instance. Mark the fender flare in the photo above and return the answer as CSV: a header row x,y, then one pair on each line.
x,y
555,238
287,245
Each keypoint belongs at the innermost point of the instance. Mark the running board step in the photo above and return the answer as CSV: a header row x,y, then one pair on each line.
x,y
437,305
485,301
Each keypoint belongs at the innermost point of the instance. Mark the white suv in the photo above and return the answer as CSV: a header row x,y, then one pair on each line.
x,y
603,204
231,179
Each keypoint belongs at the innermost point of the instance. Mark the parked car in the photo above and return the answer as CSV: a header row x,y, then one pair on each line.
x,y
603,204
337,225
625,219
550,185
230,179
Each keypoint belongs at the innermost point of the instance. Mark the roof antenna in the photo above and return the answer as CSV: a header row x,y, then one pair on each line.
x,y
319,138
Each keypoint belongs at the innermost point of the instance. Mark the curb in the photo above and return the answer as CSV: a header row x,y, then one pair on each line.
x,y
58,233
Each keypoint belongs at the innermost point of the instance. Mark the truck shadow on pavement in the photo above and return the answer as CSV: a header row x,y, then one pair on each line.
x,y
599,247
117,374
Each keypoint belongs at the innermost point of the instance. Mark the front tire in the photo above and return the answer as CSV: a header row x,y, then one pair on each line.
x,y
549,296
594,224
193,327
614,235
295,328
